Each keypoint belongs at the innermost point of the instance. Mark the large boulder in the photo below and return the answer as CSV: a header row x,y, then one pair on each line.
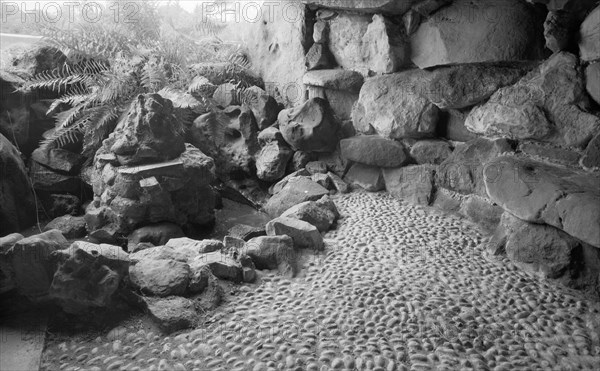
x,y
368,43
589,36
540,193
484,31
160,277
272,161
305,235
411,183
463,171
549,253
548,104
88,276
465,85
150,133
17,204
394,107
373,150
295,191
32,265
310,127
541,248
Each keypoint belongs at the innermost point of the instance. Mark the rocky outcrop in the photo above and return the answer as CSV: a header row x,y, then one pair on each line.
x,y
17,204
486,31
540,193
130,196
149,134
373,150
394,107
547,104
310,127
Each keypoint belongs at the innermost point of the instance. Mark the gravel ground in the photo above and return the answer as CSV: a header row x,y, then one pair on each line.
x,y
400,288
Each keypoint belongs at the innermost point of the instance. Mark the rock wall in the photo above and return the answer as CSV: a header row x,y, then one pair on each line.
x,y
488,109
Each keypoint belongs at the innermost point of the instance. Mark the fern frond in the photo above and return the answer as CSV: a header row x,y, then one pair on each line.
x,y
76,95
60,137
180,98
66,118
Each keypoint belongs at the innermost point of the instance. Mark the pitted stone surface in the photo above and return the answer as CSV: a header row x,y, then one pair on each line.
x,y
400,287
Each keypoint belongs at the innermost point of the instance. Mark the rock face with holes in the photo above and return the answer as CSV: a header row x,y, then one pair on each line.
x,y
310,127
88,275
157,179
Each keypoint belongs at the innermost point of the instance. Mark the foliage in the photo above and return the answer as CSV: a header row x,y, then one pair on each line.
x,y
109,64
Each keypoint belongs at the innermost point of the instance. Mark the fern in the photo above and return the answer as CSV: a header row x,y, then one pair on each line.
x,y
110,64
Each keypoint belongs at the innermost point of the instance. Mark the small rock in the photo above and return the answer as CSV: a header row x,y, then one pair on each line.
x,y
171,314
304,234
367,177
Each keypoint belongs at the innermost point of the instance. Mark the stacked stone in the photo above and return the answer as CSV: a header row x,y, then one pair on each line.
x,y
145,173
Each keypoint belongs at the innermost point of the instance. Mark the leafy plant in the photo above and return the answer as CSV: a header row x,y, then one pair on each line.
x,y
110,63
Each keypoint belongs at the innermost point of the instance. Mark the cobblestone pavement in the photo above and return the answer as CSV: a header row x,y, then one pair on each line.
x,y
400,288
